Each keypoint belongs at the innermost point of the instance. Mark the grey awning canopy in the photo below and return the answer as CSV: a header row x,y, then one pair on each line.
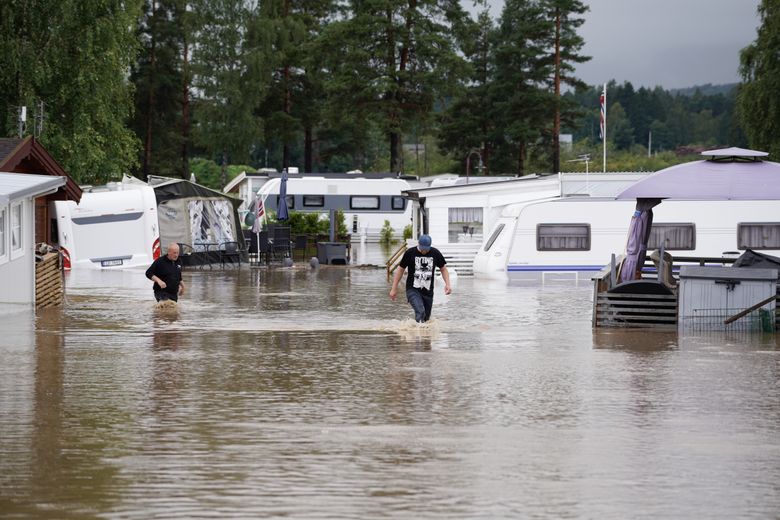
x,y
724,177
15,186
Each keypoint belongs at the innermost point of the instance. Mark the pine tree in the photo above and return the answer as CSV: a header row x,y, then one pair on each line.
x,y
566,45
467,125
520,98
230,76
391,60
159,77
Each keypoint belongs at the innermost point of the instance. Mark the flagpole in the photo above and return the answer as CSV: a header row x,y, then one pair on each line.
x,y
604,135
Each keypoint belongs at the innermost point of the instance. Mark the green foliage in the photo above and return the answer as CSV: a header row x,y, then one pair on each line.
x,y
390,61
407,231
73,55
209,174
386,233
758,108
307,223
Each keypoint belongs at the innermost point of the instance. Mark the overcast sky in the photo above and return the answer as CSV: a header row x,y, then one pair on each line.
x,y
672,43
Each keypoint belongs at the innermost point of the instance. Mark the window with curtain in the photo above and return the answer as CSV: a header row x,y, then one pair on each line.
x,y
16,227
313,201
681,237
563,237
362,202
465,225
758,235
3,234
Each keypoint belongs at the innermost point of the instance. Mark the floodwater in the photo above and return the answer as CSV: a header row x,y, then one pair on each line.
x,y
306,393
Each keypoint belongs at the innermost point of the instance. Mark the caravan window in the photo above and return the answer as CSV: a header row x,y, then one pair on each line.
x,y
313,201
398,202
758,235
290,201
494,236
356,202
681,237
563,237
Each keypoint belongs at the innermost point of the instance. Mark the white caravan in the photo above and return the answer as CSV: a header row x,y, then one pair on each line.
x,y
366,203
113,229
573,237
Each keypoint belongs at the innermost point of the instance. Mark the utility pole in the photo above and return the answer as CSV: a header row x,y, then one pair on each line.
x,y
22,120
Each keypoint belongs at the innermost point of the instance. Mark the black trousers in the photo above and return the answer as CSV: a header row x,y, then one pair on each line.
x,y
162,296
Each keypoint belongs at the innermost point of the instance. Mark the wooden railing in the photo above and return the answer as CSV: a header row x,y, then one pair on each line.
x,y
392,263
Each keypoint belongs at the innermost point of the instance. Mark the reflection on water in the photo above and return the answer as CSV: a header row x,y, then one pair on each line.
x,y
308,393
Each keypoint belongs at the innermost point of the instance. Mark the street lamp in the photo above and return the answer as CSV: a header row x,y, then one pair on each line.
x,y
468,162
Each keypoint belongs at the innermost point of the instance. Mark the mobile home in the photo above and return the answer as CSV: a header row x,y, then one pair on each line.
x,y
17,233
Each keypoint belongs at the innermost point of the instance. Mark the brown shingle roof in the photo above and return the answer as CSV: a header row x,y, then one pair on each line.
x,y
29,156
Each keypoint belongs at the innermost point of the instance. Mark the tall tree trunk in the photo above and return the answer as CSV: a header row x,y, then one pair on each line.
x,y
395,155
521,160
223,171
287,96
150,97
307,149
556,148
185,113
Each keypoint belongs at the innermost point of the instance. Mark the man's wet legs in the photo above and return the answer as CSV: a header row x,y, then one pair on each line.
x,y
421,304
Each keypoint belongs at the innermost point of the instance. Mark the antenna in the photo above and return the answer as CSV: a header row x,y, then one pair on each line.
x,y
39,118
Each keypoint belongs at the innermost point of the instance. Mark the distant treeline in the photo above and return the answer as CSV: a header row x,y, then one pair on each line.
x,y
167,86
662,119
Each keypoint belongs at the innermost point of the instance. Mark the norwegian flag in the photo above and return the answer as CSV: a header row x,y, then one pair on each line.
x,y
603,114
259,214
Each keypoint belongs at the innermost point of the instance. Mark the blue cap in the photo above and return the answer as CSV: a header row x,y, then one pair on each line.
x,y
424,242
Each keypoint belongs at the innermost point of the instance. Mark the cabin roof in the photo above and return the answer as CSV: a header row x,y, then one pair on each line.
x,y
28,156
15,186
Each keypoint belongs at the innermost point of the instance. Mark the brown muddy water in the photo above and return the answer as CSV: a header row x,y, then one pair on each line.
x,y
306,393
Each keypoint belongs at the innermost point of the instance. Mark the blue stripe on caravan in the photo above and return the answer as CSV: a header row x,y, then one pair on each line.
x,y
513,268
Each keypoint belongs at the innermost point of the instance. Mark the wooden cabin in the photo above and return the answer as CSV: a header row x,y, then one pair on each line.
x,y
29,156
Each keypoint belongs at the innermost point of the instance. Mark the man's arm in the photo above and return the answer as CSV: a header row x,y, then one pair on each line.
x,y
150,274
181,287
445,274
399,272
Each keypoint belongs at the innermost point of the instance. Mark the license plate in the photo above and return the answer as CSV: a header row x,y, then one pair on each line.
x,y
109,263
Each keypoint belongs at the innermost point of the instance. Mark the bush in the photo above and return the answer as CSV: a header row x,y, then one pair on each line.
x,y
386,235
408,232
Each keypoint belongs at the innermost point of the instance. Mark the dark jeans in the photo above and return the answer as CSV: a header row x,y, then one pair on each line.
x,y
161,296
421,304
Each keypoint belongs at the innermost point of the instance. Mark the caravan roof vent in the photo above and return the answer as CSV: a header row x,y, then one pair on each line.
x,y
734,154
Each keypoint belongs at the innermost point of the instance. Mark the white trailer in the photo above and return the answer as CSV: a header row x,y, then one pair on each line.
x,y
111,229
366,203
574,237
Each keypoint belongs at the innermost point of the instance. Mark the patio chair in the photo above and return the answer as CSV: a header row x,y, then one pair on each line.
x,y
185,254
302,242
229,251
282,244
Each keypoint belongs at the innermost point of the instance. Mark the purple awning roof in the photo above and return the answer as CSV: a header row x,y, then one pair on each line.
x,y
711,180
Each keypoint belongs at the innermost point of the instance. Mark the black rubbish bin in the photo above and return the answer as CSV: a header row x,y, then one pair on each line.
x,y
334,253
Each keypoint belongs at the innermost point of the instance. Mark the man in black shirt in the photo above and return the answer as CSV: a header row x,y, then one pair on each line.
x,y
165,272
422,262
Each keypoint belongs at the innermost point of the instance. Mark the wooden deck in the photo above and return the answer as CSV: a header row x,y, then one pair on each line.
x,y
650,311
